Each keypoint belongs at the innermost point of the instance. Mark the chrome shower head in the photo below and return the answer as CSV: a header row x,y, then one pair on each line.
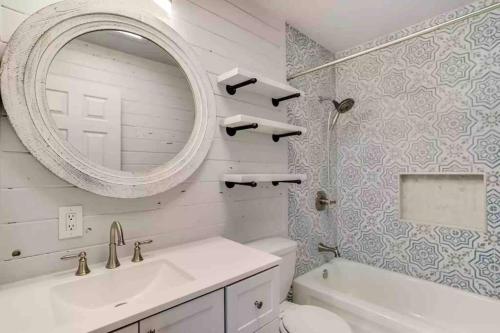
x,y
341,107
344,106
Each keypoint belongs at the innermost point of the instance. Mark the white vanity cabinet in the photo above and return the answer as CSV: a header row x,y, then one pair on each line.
x,y
247,306
203,314
207,286
252,303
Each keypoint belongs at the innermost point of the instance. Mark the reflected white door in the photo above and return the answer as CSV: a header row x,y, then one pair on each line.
x,y
88,116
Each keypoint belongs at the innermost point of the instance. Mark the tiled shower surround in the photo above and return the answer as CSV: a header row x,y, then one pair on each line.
x,y
430,104
307,153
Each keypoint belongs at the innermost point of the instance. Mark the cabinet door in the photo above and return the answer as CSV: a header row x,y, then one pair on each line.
x,y
272,327
134,328
204,314
253,302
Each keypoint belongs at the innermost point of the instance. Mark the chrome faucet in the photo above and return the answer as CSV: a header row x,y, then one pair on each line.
x,y
115,238
323,248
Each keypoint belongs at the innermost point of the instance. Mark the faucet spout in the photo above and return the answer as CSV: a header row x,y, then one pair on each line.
x,y
324,248
115,239
116,234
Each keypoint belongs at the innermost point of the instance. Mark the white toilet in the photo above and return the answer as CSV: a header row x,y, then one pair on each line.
x,y
298,318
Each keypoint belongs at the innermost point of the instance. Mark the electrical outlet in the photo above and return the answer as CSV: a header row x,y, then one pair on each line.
x,y
70,222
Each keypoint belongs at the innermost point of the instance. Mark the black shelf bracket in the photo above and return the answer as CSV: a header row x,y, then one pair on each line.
x,y
231,184
231,90
276,182
276,101
231,131
276,137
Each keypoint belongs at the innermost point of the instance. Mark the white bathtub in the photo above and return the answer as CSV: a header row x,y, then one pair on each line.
x,y
374,300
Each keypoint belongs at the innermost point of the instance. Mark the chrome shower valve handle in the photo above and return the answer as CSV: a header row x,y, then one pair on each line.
x,y
322,201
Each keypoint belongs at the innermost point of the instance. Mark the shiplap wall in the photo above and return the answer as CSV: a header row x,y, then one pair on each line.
x,y
225,34
157,105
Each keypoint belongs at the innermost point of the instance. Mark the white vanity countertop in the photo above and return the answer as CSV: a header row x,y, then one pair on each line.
x,y
164,279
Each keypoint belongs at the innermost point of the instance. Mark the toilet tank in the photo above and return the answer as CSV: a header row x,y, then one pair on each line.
x,y
285,249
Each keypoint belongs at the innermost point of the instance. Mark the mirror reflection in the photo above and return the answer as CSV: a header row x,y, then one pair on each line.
x,y
121,100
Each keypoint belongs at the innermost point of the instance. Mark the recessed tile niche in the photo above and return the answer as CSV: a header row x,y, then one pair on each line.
x,y
453,200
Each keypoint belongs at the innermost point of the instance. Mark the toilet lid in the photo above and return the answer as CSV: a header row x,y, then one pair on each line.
x,y
312,319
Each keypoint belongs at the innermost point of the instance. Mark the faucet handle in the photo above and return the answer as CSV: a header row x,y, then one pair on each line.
x,y
83,268
137,250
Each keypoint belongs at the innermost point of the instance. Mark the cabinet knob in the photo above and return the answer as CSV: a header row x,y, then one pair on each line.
x,y
258,304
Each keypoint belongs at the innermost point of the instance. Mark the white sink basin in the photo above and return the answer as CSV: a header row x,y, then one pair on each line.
x,y
114,288
108,299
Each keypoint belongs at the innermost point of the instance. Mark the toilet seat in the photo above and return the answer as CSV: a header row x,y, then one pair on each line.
x,y
312,319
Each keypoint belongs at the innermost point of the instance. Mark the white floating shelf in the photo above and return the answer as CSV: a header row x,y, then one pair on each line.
x,y
239,78
277,129
251,179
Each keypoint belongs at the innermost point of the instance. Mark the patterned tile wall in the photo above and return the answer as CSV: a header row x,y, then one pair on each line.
x,y
418,27
430,104
307,153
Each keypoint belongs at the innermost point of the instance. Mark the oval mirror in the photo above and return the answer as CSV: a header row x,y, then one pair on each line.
x,y
110,99
120,100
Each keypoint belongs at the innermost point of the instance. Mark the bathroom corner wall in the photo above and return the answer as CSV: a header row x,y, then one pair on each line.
x,y
430,104
224,35
308,153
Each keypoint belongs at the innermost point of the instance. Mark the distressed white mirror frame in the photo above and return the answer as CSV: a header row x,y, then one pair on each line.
x,y
24,70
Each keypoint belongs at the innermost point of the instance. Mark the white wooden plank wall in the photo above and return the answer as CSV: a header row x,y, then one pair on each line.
x,y
225,34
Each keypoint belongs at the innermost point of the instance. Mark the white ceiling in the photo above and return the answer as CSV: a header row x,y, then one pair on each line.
x,y
341,24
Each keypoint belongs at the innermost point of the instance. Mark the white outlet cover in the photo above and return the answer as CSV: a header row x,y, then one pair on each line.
x,y
70,222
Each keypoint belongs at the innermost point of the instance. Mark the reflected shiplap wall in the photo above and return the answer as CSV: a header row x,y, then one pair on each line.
x,y
308,153
430,104
156,103
224,34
